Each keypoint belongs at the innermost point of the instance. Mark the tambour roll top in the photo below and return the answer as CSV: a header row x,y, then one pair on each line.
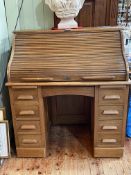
x,y
93,54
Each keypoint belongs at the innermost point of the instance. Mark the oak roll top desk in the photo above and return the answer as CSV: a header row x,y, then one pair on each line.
x,y
88,62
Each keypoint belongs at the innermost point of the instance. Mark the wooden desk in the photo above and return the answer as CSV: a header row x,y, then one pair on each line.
x,y
30,116
94,67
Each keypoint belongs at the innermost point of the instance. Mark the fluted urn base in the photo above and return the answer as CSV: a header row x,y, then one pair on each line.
x,y
67,23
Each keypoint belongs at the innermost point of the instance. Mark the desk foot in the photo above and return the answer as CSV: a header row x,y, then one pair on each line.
x,y
108,152
30,152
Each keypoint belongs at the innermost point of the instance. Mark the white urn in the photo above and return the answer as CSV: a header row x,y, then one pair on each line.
x,y
66,10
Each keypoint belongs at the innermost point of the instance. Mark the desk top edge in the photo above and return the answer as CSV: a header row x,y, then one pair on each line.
x,y
69,83
85,29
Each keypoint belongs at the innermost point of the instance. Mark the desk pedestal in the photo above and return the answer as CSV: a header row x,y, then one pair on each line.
x,y
31,121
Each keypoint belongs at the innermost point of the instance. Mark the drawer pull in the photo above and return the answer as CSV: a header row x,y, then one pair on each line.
x,y
25,97
109,127
110,112
29,141
38,79
98,78
113,87
30,127
24,87
26,113
112,97
109,141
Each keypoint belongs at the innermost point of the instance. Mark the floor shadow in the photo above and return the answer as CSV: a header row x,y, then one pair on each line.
x,y
72,140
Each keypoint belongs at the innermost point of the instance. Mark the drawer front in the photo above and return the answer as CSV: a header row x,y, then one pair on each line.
x,y
111,96
29,141
26,111
28,126
28,94
106,140
110,126
110,112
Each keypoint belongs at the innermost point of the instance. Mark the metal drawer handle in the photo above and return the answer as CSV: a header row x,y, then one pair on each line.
x,y
28,127
109,127
29,141
25,97
26,113
112,97
110,112
109,141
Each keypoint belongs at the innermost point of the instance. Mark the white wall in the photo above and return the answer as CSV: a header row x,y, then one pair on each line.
x,y
4,42
35,14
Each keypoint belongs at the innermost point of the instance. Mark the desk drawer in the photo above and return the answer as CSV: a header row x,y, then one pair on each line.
x,y
110,126
27,93
106,140
29,141
110,112
111,96
28,126
26,111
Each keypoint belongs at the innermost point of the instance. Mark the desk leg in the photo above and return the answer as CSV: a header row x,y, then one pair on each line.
x,y
95,115
43,120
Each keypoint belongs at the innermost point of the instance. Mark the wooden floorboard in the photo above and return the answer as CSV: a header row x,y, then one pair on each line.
x,y
70,154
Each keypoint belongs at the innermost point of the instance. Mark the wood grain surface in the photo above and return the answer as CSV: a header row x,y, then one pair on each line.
x,y
87,62
69,154
83,55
